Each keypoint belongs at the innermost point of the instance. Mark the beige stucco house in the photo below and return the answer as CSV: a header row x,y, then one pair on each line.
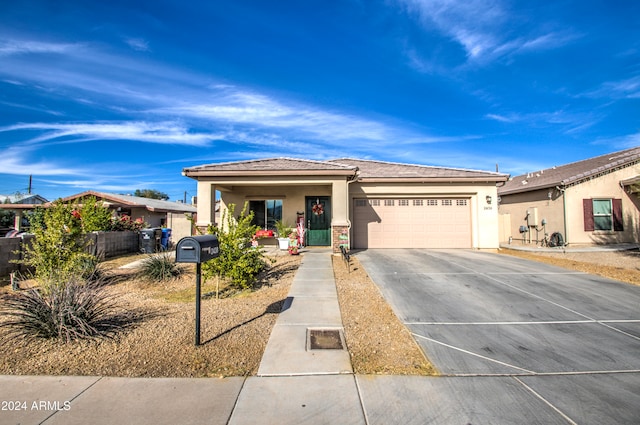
x,y
589,202
358,203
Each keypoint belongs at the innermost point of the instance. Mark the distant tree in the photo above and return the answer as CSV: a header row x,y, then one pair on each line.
x,y
151,194
7,218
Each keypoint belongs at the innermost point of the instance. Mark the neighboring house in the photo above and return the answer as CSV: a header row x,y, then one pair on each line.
x,y
358,203
26,198
588,202
18,204
154,212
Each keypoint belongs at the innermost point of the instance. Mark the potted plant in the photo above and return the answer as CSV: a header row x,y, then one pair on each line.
x,y
283,231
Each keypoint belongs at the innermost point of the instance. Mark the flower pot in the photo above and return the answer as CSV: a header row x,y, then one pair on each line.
x,y
283,243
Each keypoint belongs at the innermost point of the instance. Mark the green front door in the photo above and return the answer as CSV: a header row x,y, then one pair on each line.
x,y
318,215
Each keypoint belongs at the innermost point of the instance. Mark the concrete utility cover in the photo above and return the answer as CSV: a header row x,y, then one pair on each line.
x,y
325,339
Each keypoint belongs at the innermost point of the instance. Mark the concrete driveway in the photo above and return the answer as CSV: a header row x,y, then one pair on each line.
x,y
571,339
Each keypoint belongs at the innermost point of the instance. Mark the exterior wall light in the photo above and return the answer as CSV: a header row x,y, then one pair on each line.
x,y
488,199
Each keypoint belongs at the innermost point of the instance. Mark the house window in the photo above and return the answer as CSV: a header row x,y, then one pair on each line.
x,y
447,202
389,202
266,213
432,202
403,202
602,214
374,202
461,202
418,202
361,202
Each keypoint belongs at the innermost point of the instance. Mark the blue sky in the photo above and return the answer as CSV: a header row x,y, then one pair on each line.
x,y
122,95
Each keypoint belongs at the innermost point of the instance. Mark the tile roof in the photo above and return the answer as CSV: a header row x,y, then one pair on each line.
x,y
346,166
392,170
572,173
137,201
267,165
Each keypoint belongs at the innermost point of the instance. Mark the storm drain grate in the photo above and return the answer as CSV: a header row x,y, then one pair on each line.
x,y
325,339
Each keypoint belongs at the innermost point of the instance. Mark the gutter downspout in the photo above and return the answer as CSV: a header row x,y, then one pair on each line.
x,y
564,213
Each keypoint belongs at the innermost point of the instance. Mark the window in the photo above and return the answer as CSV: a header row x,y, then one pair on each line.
x,y
389,202
266,213
602,214
418,202
432,202
374,202
361,202
447,202
461,202
403,202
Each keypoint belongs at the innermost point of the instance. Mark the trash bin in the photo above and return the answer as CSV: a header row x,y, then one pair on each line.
x,y
150,240
166,235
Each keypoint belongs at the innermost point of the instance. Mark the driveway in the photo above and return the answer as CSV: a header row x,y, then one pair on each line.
x,y
566,336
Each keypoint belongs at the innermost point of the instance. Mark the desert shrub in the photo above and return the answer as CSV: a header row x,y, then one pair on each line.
x,y
70,311
58,250
159,267
238,260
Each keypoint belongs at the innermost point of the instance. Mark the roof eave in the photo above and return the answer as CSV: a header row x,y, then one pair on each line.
x,y
265,173
488,179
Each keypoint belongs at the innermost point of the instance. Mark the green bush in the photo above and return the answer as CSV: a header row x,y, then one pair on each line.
x,y
94,216
57,252
73,310
238,260
159,267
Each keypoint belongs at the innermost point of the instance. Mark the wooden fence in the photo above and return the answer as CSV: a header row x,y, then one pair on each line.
x,y
101,244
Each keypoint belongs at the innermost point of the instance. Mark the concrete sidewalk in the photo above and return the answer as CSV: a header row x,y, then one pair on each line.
x,y
299,385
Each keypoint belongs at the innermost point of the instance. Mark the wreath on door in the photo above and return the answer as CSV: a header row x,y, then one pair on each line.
x,y
317,208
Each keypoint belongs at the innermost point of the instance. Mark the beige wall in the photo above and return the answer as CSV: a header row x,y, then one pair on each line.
x,y
484,216
549,209
606,186
180,226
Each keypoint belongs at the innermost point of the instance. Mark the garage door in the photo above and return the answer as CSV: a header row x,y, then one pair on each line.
x,y
412,223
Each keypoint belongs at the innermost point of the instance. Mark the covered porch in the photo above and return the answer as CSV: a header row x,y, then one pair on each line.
x,y
318,202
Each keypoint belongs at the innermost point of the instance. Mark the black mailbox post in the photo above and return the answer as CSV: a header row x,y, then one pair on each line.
x,y
197,249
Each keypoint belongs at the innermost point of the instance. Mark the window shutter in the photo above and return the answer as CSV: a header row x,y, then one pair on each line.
x,y
617,215
587,209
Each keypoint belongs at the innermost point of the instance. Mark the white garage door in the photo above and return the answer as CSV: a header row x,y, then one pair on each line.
x,y
412,223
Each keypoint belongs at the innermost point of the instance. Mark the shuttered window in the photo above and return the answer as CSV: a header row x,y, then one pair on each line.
x,y
602,214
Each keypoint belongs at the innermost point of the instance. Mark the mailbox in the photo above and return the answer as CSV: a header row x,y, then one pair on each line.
x,y
197,249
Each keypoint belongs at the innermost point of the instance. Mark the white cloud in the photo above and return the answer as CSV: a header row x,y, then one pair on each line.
x,y
14,47
164,132
138,44
628,88
483,28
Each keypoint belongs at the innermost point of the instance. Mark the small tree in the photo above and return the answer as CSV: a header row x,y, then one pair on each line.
x,y
94,216
238,260
57,251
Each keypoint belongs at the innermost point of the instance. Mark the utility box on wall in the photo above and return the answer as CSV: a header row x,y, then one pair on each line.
x,y
532,217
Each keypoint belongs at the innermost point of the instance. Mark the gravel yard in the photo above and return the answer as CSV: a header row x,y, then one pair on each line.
x,y
617,265
234,332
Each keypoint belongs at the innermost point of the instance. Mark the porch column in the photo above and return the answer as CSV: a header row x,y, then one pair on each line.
x,y
206,204
17,221
340,214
